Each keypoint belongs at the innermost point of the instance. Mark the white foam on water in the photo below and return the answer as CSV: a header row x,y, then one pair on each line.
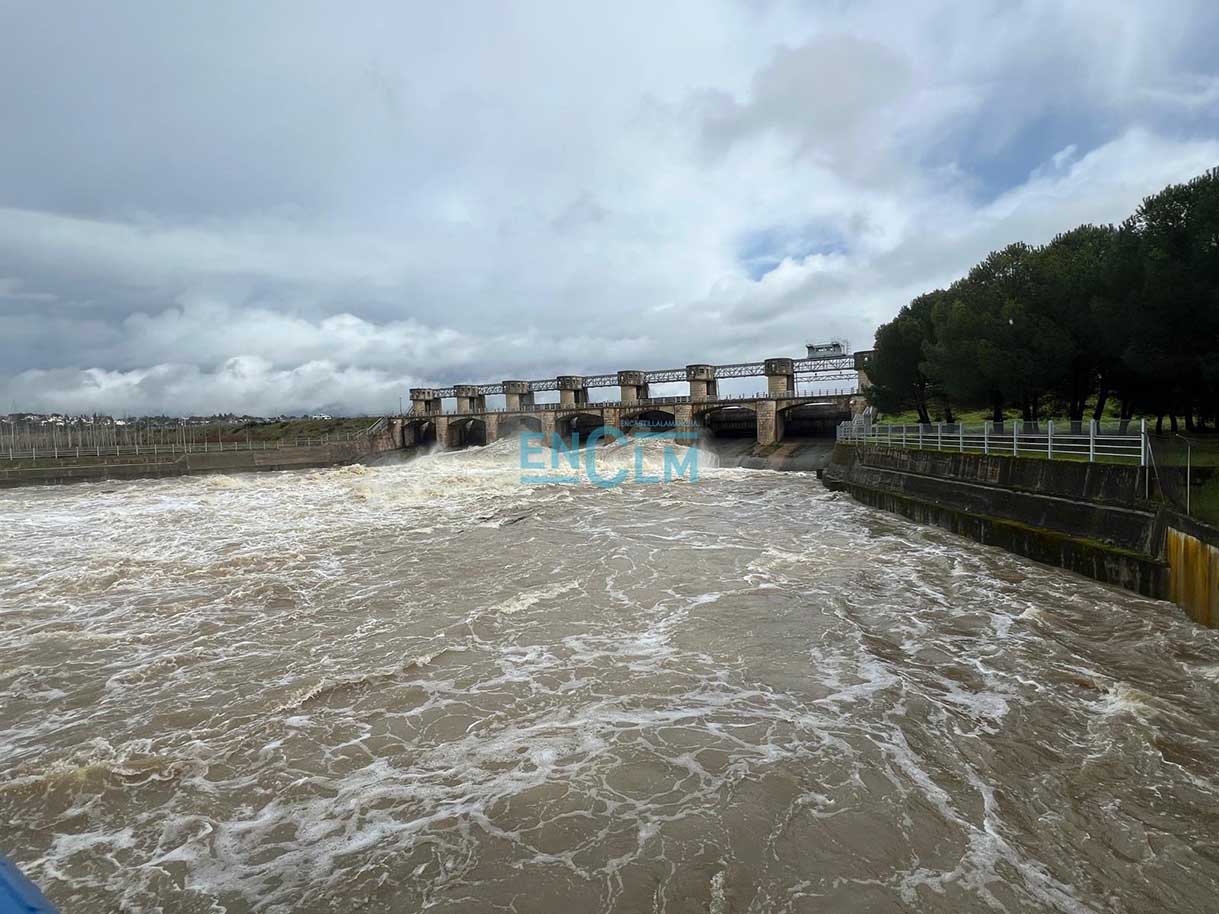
x,y
428,685
1210,673
531,598
719,898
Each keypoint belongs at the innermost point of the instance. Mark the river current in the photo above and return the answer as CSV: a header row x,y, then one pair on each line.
x,y
426,686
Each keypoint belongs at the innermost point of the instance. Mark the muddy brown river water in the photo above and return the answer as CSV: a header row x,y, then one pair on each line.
x,y
428,687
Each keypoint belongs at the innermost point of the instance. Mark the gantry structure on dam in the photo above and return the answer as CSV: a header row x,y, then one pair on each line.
x,y
771,410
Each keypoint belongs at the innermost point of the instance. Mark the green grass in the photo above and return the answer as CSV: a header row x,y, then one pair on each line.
x,y
1204,501
969,417
978,416
1203,449
1169,449
1024,454
1203,459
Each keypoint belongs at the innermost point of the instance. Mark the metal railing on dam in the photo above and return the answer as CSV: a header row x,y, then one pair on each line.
x,y
1094,443
837,367
781,375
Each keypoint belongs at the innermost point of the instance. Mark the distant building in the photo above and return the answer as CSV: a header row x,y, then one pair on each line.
x,y
826,350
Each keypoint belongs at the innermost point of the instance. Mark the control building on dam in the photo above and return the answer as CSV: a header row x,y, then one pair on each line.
x,y
776,411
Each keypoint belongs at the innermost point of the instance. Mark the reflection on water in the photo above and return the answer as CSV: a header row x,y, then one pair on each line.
x,y
427,686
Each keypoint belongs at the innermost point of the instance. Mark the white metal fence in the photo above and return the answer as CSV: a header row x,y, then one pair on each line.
x,y
1089,441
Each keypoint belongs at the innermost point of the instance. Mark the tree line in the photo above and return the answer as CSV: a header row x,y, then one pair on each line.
x,y
1103,320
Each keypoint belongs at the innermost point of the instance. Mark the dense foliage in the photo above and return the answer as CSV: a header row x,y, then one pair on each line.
x,y
1102,320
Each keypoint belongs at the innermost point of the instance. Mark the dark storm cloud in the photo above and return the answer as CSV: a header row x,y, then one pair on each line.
x,y
274,206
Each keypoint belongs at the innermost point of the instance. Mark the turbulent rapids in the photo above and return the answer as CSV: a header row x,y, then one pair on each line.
x,y
427,686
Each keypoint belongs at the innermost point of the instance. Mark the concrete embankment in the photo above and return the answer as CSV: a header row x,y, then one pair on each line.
x,y
1100,520
52,471
804,455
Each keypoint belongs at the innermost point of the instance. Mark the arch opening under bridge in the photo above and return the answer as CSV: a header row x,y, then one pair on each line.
x,y
583,424
511,426
808,421
420,433
470,431
647,420
729,420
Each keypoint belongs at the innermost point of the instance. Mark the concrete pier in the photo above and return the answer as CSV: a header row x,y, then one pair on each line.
x,y
770,423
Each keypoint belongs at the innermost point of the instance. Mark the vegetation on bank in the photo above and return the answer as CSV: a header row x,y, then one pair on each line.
x,y
295,428
1102,320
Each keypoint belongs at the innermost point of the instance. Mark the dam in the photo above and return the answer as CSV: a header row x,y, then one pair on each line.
x,y
768,415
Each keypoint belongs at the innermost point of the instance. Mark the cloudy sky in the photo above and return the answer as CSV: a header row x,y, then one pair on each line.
x,y
293,206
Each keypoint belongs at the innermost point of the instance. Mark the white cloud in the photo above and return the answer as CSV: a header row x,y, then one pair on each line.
x,y
450,193
244,384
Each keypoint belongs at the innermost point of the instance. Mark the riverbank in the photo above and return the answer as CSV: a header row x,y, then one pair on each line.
x,y
1104,521
86,468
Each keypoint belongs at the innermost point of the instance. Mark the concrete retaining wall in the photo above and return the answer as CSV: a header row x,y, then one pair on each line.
x,y
1111,483
94,469
802,455
1089,518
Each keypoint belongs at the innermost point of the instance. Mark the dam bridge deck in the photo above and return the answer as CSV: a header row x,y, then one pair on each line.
x,y
431,419
768,414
